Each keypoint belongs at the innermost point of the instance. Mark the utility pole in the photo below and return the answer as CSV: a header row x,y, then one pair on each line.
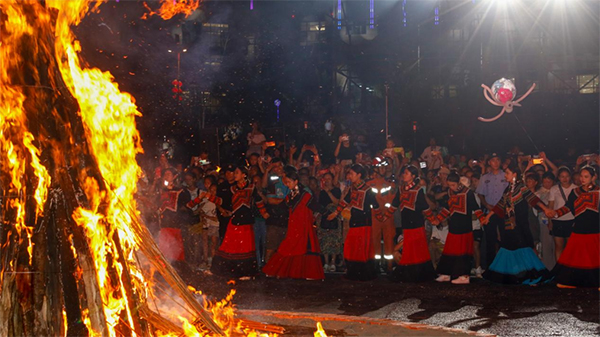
x,y
387,132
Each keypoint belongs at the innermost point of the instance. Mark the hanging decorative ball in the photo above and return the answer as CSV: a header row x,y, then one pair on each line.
x,y
504,90
503,93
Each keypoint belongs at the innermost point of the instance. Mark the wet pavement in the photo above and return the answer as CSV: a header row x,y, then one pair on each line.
x,y
482,306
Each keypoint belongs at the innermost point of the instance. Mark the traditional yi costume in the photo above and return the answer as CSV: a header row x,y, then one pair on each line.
x,y
170,240
458,250
516,262
358,248
236,256
415,263
299,255
579,263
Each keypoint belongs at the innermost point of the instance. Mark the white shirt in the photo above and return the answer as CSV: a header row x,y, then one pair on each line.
x,y
256,139
210,209
433,163
254,143
559,201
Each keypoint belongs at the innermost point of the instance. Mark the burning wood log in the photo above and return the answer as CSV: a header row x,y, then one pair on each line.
x,y
68,261
158,322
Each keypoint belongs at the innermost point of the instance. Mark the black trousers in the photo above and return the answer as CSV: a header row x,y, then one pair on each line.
x,y
491,238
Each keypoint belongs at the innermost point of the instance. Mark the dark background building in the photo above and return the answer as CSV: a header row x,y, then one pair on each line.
x,y
335,59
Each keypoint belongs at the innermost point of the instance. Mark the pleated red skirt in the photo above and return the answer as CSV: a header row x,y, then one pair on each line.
x,y
579,263
415,250
358,246
170,243
459,244
236,257
415,263
306,266
359,254
239,239
457,255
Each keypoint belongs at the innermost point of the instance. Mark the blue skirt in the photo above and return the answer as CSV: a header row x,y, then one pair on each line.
x,y
519,266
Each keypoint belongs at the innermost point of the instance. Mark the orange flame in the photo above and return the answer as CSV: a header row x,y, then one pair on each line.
x,y
16,143
320,332
170,8
65,324
108,116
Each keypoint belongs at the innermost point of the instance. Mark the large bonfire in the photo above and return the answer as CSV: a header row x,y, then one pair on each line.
x,y
71,239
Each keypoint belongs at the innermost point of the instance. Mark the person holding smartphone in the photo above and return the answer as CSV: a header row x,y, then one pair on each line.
x,y
432,155
344,152
587,159
256,140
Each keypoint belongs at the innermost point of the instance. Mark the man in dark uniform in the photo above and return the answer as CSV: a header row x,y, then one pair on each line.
x,y
224,192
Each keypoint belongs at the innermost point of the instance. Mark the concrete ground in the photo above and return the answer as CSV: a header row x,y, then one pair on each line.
x,y
481,306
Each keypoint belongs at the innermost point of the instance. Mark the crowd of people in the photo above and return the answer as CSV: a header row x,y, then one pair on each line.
x,y
291,211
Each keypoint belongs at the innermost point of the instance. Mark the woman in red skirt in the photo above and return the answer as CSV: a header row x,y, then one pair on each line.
x,y
298,255
358,248
455,263
415,264
579,264
236,257
170,241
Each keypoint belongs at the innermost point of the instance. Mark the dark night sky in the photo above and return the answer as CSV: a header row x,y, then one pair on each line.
x,y
135,51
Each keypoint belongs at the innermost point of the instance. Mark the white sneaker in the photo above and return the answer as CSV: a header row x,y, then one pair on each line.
x,y
332,268
461,280
443,278
325,267
479,272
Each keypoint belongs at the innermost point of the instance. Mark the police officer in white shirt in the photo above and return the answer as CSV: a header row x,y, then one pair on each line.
x,y
490,190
